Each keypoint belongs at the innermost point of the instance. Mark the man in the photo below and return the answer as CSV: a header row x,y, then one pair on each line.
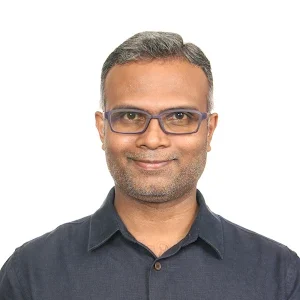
x,y
154,236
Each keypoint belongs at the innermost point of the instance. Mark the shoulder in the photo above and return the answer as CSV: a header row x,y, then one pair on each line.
x,y
38,256
247,240
258,253
72,235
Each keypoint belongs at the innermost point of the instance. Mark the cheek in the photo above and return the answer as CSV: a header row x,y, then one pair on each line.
x,y
193,146
117,143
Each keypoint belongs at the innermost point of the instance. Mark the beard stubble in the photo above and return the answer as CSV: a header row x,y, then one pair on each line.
x,y
174,185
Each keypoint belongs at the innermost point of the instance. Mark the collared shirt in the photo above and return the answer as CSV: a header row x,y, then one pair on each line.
x,y
97,258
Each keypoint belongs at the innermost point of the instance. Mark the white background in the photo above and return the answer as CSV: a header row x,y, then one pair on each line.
x,y
52,168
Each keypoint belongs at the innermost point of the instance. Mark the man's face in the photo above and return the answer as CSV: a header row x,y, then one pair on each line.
x,y
154,166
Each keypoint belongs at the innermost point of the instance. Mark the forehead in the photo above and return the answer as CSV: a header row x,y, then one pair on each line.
x,y
156,85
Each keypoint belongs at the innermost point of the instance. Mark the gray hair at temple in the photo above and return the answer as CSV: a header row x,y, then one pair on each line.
x,y
150,45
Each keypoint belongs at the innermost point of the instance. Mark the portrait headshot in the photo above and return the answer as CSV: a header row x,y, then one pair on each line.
x,y
164,187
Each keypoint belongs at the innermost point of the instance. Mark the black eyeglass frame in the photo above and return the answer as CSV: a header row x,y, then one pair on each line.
x,y
202,116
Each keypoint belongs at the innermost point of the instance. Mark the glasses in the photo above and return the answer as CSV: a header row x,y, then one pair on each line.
x,y
172,121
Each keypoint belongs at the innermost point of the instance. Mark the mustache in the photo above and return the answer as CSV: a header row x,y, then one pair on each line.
x,y
151,156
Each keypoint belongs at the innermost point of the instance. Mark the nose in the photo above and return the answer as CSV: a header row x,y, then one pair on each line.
x,y
153,137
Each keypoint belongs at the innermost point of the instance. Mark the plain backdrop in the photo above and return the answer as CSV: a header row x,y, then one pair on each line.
x,y
52,167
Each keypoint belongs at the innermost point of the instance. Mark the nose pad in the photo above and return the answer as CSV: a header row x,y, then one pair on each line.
x,y
154,137
154,120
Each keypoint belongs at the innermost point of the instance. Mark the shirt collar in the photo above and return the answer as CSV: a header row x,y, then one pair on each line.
x,y
208,226
105,222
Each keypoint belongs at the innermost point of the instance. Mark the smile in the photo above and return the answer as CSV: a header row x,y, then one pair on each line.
x,y
151,164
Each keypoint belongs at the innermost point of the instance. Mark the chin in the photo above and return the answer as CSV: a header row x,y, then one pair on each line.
x,y
155,193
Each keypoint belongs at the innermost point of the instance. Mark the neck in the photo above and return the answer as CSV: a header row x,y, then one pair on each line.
x,y
168,221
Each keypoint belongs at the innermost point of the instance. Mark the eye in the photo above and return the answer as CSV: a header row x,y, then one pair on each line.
x,y
130,115
178,115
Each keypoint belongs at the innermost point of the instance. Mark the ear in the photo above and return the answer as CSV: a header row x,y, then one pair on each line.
x,y
100,126
212,124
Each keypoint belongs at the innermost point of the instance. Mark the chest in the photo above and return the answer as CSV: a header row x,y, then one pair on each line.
x,y
133,273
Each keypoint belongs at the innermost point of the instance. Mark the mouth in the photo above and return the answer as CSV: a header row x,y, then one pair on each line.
x,y
152,164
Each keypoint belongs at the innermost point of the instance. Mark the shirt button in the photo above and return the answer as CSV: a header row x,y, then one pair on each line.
x,y
157,266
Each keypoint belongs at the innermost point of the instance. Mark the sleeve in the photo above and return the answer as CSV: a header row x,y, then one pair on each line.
x,y
293,277
10,288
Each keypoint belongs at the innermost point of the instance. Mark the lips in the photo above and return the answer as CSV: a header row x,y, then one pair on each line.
x,y
152,164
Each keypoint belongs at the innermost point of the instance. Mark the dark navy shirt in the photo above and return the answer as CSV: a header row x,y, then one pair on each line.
x,y
97,258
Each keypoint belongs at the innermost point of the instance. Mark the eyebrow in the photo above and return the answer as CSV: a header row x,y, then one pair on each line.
x,y
139,108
